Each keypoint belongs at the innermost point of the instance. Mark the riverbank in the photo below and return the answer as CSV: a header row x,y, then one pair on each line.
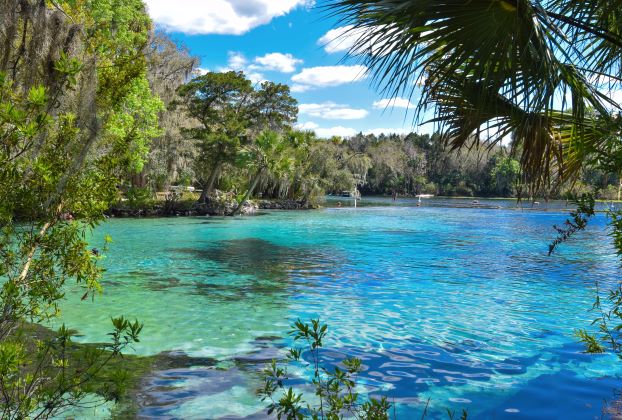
x,y
193,208
225,203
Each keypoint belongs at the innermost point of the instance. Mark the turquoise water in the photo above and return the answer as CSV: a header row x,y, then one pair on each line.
x,y
459,306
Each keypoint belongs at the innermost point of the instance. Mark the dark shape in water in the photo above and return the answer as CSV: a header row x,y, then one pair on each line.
x,y
264,259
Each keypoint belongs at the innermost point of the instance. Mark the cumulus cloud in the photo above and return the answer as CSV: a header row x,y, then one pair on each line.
x,y
393,103
343,38
338,39
332,111
237,62
299,88
284,63
230,17
340,131
200,71
327,76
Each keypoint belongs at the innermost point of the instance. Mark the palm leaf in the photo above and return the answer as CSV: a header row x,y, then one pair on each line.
x,y
531,69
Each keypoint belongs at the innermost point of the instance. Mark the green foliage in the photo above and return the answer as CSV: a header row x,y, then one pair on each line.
x,y
76,115
231,114
609,323
139,198
505,175
335,389
134,123
578,220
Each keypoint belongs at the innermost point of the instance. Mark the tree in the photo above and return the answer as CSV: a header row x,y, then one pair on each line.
x,y
267,155
169,66
538,70
231,113
76,114
219,102
505,174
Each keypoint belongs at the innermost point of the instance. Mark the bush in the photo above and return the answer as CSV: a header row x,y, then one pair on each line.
x,y
334,388
139,197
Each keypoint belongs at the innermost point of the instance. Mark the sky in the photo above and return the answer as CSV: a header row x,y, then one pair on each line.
x,y
292,42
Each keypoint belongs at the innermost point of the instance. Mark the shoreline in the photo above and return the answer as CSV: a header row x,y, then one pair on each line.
x,y
192,208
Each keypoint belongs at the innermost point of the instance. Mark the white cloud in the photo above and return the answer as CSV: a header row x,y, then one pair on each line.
x,y
200,71
338,39
393,103
308,126
387,131
231,17
284,63
332,111
335,131
326,76
237,62
299,88
342,39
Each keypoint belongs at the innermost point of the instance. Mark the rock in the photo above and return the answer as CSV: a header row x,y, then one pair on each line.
x,y
285,205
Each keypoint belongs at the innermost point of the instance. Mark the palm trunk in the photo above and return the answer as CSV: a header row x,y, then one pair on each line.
x,y
248,193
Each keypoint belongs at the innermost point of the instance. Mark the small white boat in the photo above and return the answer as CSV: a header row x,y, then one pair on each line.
x,y
420,196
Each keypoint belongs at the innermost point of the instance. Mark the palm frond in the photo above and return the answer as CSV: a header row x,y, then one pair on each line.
x,y
520,67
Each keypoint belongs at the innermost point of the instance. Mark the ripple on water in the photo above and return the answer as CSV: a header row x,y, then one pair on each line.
x,y
455,305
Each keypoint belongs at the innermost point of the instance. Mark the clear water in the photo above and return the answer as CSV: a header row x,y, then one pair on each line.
x,y
459,306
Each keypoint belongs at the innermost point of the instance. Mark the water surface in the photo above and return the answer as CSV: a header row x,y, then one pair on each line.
x,y
459,306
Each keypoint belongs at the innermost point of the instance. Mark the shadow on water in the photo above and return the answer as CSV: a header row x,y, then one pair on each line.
x,y
236,269
262,259
179,381
404,375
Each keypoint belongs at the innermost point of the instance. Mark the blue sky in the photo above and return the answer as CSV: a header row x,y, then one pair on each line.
x,y
286,41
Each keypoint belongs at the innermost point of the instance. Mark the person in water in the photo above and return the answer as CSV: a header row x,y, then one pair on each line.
x,y
394,195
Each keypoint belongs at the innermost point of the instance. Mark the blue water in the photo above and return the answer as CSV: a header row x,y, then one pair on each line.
x,y
461,307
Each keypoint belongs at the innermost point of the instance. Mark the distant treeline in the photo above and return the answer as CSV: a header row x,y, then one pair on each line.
x,y
423,164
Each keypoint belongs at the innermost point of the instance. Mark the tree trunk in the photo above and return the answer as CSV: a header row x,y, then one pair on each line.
x,y
248,193
209,187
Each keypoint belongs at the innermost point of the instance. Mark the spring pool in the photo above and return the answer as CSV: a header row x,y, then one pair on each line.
x,y
458,306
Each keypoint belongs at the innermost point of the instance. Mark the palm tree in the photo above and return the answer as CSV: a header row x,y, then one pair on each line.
x,y
542,71
267,155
